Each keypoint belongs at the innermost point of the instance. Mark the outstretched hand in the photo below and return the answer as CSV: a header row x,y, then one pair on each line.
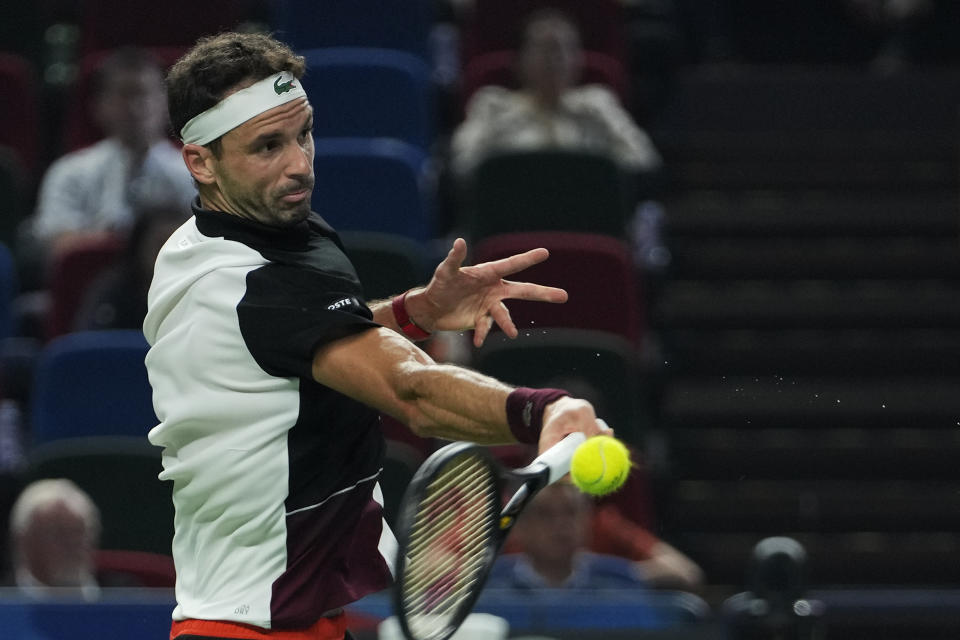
x,y
459,297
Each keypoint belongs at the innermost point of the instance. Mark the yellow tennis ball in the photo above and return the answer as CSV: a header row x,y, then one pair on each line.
x,y
600,465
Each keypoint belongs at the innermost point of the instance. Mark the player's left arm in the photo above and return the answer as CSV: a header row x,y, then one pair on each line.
x,y
461,297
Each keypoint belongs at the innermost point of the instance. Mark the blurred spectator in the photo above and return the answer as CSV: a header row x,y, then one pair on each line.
x,y
98,188
554,534
663,566
117,299
549,110
54,532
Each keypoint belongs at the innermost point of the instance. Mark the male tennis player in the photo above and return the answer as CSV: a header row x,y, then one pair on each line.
x,y
269,369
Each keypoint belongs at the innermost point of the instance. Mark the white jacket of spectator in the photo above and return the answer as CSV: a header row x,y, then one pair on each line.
x,y
588,118
98,188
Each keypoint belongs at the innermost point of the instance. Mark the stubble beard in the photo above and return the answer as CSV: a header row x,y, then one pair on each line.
x,y
285,215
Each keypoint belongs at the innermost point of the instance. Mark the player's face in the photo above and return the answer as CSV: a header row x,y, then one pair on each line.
x,y
265,169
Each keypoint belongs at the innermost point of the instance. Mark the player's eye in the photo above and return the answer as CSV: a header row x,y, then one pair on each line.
x,y
269,146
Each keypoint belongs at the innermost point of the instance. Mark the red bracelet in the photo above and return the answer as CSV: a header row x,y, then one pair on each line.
x,y
525,411
405,322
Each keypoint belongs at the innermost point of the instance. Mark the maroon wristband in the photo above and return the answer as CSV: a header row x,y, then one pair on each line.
x,y
405,322
525,411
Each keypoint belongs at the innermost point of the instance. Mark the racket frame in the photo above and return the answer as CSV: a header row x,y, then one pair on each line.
x,y
545,469
412,499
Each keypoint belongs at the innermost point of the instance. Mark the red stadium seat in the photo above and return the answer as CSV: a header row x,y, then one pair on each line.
x,y
107,24
72,271
134,569
19,110
596,270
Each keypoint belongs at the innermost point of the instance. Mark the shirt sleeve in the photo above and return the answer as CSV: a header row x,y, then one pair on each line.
x,y
289,312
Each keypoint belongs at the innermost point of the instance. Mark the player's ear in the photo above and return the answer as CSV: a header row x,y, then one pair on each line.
x,y
200,163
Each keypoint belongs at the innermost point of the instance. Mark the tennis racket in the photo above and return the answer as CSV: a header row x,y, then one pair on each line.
x,y
451,526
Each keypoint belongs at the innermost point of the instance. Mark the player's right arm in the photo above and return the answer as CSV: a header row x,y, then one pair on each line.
x,y
384,370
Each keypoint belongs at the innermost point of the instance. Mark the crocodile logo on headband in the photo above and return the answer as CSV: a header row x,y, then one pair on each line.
x,y
282,87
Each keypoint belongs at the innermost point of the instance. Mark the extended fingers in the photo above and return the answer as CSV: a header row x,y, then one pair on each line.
x,y
455,257
518,262
481,329
499,315
534,292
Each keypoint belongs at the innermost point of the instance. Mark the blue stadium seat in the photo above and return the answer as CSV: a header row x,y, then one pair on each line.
x,y
596,270
389,24
8,290
577,613
372,185
363,92
127,614
92,383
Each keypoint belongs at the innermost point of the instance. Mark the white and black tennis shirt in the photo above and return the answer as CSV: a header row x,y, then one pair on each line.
x,y
278,512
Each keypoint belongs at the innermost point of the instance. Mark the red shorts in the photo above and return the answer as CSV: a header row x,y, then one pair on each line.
x,y
333,628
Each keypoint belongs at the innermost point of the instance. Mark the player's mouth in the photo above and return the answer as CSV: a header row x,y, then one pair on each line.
x,y
294,197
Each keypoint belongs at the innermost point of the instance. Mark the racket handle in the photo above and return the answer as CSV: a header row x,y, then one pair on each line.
x,y
557,457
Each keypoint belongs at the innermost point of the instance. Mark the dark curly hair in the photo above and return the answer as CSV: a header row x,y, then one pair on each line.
x,y
218,63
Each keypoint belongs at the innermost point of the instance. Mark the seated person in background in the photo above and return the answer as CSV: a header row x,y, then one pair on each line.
x,y
117,299
663,566
54,531
550,111
98,189
554,535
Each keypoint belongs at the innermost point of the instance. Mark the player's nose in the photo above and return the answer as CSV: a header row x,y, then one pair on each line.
x,y
299,162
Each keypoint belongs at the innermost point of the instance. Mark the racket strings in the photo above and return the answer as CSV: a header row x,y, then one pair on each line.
x,y
450,544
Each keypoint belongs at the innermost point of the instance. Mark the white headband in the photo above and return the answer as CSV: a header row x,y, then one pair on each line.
x,y
241,106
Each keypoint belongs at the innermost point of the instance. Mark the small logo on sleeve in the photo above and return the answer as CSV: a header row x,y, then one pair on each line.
x,y
345,302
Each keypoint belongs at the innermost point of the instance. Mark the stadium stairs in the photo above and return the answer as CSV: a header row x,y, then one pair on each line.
x,y
810,323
